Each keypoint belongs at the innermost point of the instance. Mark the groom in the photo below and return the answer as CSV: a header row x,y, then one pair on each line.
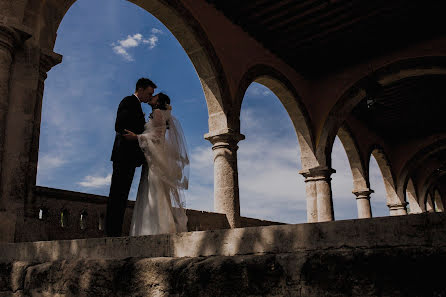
x,y
126,155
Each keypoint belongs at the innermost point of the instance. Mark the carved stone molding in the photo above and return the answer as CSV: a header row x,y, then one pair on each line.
x,y
363,193
224,139
48,59
12,36
317,173
401,205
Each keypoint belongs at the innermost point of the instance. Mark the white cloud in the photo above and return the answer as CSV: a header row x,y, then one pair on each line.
x,y
152,41
131,41
47,162
122,46
122,52
95,181
157,31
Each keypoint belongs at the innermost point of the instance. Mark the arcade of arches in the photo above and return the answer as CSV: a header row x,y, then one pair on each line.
x,y
381,95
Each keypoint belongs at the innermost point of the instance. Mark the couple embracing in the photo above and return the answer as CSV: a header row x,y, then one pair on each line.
x,y
160,147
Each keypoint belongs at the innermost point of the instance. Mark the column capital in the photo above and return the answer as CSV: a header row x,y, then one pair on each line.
x,y
13,35
48,59
397,209
224,138
363,193
317,173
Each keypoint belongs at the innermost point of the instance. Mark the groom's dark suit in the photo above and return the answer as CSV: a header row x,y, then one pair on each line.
x,y
126,156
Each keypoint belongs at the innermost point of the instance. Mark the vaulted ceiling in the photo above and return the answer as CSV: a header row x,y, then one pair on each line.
x,y
317,37
407,109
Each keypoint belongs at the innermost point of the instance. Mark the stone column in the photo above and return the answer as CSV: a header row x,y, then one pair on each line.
x,y
319,196
48,59
226,190
398,209
10,38
363,203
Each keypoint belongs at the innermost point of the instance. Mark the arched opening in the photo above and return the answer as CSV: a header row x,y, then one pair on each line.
x,y
382,182
270,148
101,219
43,213
83,220
428,155
429,203
285,91
64,216
412,199
273,111
342,183
103,59
349,165
439,206
379,200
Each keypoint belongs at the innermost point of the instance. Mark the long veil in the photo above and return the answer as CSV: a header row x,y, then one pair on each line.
x,y
177,177
168,160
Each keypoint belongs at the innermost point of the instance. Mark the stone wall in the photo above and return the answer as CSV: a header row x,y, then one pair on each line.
x,y
83,217
389,256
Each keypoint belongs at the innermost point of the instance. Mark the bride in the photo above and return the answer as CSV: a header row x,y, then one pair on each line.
x,y
160,202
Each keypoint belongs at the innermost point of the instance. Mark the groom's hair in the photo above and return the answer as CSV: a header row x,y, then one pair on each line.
x,y
144,83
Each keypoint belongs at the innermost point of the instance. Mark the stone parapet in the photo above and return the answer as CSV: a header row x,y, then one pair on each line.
x,y
45,217
384,232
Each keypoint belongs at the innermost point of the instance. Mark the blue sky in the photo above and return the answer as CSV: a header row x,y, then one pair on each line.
x,y
103,56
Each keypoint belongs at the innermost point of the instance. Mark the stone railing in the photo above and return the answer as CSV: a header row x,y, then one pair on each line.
x,y
61,214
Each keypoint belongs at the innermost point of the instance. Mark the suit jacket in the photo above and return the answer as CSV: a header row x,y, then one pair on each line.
x,y
130,117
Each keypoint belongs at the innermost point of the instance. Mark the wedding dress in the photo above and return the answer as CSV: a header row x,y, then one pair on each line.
x,y
159,206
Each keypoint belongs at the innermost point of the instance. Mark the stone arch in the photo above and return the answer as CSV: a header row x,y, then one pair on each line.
x,y
412,198
414,162
360,172
427,192
429,202
438,201
386,75
186,30
392,198
288,96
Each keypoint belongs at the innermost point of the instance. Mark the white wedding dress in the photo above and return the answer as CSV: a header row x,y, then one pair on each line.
x,y
160,202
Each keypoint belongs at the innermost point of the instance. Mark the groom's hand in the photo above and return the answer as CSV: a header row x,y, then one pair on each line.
x,y
130,135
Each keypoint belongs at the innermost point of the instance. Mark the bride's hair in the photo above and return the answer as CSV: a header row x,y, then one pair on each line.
x,y
163,101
